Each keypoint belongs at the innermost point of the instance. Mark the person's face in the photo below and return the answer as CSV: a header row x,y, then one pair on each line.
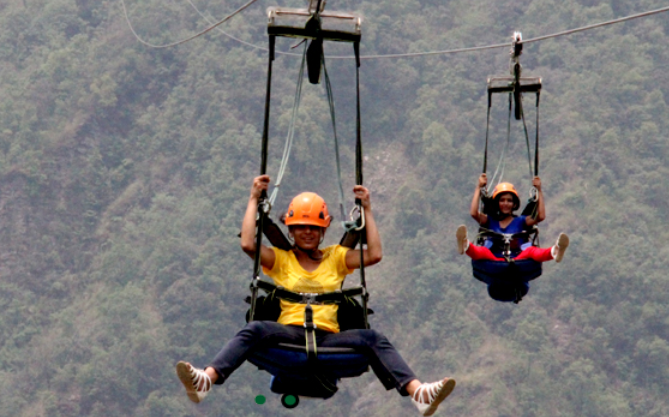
x,y
506,203
307,237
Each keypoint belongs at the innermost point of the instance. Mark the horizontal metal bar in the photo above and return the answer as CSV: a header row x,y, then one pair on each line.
x,y
334,26
527,84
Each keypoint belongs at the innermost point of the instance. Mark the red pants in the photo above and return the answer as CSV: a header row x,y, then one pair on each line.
x,y
478,253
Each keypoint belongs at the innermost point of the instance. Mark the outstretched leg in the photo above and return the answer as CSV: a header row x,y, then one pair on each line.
x,y
391,369
198,382
546,254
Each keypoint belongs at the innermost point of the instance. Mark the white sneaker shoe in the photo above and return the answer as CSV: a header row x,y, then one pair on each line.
x,y
461,236
428,396
560,247
196,381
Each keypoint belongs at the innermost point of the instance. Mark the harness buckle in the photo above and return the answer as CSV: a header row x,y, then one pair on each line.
x,y
310,298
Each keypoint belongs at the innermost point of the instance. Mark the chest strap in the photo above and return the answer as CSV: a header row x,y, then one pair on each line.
x,y
334,297
505,239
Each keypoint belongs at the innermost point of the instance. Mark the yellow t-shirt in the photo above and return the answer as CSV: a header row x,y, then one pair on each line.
x,y
329,276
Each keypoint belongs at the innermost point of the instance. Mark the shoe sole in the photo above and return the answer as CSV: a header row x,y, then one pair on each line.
x,y
461,236
444,392
562,244
183,372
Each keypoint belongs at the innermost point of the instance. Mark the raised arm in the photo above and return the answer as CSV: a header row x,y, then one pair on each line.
x,y
374,252
474,207
267,257
541,208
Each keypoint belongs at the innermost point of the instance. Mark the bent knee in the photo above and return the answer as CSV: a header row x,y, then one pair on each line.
x,y
370,336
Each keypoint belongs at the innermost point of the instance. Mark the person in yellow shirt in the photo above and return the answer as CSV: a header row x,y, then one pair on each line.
x,y
308,269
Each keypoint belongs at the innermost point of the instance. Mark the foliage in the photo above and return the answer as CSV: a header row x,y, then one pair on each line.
x,y
125,173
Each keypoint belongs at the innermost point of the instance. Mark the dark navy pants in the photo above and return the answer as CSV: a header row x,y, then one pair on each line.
x,y
384,359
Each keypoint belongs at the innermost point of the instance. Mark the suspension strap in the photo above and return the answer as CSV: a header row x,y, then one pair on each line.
x,y
291,130
349,225
501,164
309,327
532,208
311,347
328,90
527,142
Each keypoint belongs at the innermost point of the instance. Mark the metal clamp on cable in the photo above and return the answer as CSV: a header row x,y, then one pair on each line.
x,y
254,282
516,51
266,206
362,217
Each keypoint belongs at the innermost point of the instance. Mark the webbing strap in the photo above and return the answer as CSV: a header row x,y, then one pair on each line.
x,y
311,347
310,337
334,297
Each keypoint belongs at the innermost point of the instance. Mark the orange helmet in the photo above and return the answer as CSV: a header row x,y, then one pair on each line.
x,y
506,187
308,209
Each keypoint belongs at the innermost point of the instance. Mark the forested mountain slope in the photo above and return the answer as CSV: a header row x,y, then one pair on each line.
x,y
125,171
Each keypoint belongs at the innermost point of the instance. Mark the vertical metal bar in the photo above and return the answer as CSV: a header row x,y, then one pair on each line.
x,y
265,133
487,131
263,171
536,141
359,177
517,94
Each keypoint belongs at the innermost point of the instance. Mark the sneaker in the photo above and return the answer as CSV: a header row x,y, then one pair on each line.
x,y
561,246
196,381
461,236
428,396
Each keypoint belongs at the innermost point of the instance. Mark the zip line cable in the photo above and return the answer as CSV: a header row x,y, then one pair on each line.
x,y
385,56
243,42
505,45
598,25
169,45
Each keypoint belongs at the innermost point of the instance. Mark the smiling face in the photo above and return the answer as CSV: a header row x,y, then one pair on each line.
x,y
307,237
506,203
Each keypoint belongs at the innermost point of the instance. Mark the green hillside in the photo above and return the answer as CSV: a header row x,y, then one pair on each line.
x,y
125,171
